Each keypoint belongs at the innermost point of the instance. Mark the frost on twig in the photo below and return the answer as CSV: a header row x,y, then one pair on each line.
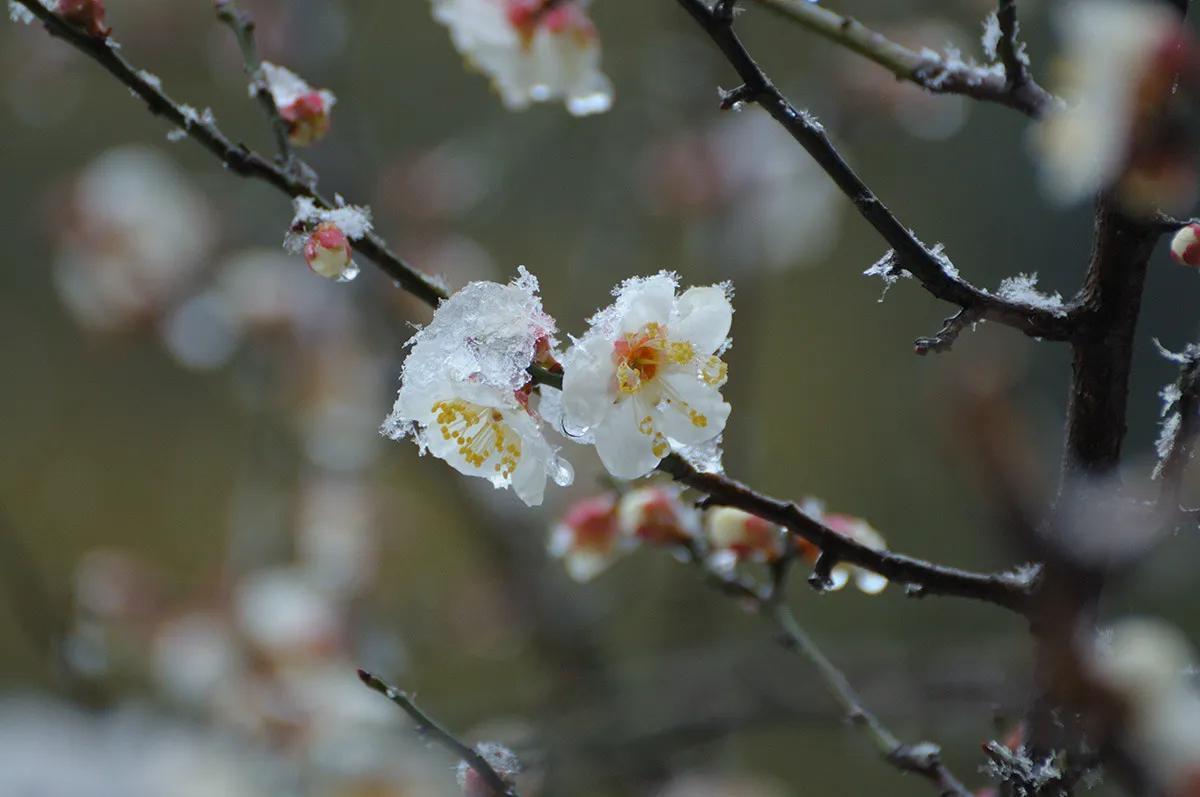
x,y
887,268
1173,445
1022,289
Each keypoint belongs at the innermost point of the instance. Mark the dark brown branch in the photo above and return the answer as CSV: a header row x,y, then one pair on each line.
x,y
429,730
923,759
237,157
1108,311
932,269
1009,590
930,72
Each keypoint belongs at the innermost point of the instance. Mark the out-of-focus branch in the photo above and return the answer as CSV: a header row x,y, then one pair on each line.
x,y
923,758
242,25
928,70
934,271
429,730
1009,590
1009,48
237,157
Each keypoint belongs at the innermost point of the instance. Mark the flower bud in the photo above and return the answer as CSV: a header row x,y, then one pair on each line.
x,y
587,539
1185,246
863,533
307,117
738,536
327,251
654,515
86,14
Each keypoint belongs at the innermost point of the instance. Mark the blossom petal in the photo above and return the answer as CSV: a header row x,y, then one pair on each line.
x,y
692,411
588,377
625,450
705,316
648,300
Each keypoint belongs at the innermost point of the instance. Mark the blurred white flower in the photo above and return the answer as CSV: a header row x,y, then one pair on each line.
x,y
856,529
646,376
1119,61
134,233
655,514
587,538
735,536
464,390
284,613
532,51
193,656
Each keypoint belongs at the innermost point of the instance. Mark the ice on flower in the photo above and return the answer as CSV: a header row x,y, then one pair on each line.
x,y
533,50
588,538
464,388
305,109
1118,61
736,536
323,236
646,377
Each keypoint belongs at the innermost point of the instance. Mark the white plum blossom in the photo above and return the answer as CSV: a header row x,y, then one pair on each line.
x,y
532,50
646,377
464,392
1115,57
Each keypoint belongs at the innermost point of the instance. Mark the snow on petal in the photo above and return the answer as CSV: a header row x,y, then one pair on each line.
x,y
533,51
646,377
464,388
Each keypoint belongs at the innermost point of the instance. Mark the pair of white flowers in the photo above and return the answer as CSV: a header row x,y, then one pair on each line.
x,y
643,381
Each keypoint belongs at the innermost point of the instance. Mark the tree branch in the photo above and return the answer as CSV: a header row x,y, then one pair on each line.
x,y
429,730
1009,590
929,266
923,758
927,70
1181,445
1016,65
242,25
237,157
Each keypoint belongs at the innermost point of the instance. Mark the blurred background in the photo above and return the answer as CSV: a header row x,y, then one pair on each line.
x,y
203,533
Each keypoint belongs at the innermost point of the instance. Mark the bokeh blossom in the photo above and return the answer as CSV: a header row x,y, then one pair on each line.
x,y
533,51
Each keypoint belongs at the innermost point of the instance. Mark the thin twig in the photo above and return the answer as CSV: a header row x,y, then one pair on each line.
x,y
429,730
927,70
1182,443
242,25
930,267
1009,590
237,157
923,758
1010,50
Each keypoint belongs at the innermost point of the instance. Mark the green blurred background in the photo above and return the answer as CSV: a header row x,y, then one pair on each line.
x,y
110,444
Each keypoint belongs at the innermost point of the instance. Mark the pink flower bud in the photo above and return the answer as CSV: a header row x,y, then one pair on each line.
x,y
587,538
654,515
327,251
87,14
1185,246
741,536
308,118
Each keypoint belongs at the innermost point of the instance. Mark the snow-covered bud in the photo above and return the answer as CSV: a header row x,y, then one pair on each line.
x,y
1185,245
504,762
86,14
655,515
587,538
305,109
327,250
863,533
737,536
